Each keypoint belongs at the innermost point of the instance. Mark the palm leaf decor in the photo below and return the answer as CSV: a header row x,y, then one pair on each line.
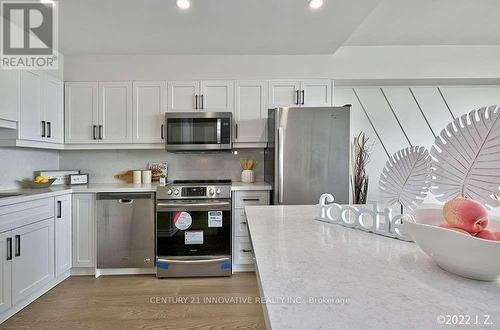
x,y
467,156
405,178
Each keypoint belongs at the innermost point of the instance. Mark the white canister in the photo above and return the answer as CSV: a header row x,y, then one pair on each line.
x,y
137,177
247,176
146,176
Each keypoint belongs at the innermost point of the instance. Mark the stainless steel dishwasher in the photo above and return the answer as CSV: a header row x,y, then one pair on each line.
x,y
125,230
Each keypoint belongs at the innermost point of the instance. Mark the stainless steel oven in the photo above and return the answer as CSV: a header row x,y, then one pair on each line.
x,y
193,229
193,131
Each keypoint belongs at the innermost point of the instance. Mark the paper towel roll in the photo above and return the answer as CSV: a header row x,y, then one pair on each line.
x,y
146,176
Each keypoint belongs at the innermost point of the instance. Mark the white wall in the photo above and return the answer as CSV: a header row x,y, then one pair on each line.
x,y
349,62
103,165
20,163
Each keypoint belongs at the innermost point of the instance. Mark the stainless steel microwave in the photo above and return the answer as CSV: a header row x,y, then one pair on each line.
x,y
198,131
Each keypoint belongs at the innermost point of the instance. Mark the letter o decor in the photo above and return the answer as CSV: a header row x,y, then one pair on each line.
x,y
368,218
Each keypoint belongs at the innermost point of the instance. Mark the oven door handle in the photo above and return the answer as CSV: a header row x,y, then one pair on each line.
x,y
194,206
195,261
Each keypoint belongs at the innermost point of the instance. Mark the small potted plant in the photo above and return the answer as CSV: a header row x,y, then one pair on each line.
x,y
248,165
163,179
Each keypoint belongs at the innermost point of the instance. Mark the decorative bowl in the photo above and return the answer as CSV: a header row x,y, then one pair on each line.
x,y
34,185
460,254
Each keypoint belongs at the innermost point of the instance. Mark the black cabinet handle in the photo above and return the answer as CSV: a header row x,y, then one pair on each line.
x,y
297,97
303,97
49,129
18,245
244,250
43,128
244,223
93,132
236,129
59,209
162,137
196,101
9,248
100,132
250,199
201,96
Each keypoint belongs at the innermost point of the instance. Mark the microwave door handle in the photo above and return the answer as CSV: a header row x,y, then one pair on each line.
x,y
219,127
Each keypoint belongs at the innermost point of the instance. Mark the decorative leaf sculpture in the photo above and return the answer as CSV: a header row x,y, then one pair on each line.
x,y
467,158
406,177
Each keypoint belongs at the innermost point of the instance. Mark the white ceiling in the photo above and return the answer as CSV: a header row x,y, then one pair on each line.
x,y
208,27
430,22
271,26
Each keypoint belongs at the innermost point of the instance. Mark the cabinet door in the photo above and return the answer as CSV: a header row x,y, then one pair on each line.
x,y
9,95
54,109
5,271
316,93
81,112
250,112
115,112
63,234
183,96
217,95
149,109
83,228
284,93
30,116
33,260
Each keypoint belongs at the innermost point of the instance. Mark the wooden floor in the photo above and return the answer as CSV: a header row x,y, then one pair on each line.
x,y
135,302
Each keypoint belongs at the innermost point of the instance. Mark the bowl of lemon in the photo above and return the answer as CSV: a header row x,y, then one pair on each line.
x,y
38,182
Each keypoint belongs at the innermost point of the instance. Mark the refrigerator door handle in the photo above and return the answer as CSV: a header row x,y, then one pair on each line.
x,y
280,164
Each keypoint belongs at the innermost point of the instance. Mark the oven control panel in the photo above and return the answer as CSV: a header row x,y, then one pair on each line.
x,y
193,192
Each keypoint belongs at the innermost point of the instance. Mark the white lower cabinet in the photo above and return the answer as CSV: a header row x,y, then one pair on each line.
x,y
84,246
62,228
33,258
5,271
242,247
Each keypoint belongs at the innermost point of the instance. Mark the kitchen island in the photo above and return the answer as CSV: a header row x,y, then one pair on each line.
x,y
316,275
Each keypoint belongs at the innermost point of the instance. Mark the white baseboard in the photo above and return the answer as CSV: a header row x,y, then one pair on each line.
x,y
83,271
16,308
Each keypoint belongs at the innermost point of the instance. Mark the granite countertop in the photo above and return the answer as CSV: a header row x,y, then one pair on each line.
x,y
31,194
358,279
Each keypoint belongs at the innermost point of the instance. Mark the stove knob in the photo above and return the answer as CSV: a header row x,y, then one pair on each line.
x,y
218,191
169,192
176,192
211,191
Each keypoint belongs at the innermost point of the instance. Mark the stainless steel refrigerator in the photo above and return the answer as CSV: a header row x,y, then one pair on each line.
x,y
308,154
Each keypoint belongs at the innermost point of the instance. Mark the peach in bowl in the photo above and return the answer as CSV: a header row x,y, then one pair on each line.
x,y
457,252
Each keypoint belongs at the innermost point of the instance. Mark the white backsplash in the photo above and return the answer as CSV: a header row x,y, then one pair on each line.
x,y
20,163
103,165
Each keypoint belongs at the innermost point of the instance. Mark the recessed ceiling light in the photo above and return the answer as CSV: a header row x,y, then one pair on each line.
x,y
183,4
315,4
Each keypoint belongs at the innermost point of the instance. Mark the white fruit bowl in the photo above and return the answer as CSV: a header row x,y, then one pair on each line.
x,y
461,254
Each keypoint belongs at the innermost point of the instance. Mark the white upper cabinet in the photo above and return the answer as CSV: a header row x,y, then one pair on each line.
x,y
9,98
217,96
183,96
62,236
149,107
115,112
32,125
81,109
33,266
53,103
316,93
210,95
284,93
250,111
301,93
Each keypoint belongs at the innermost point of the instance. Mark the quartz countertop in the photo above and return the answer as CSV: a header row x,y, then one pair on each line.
x,y
31,194
333,277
